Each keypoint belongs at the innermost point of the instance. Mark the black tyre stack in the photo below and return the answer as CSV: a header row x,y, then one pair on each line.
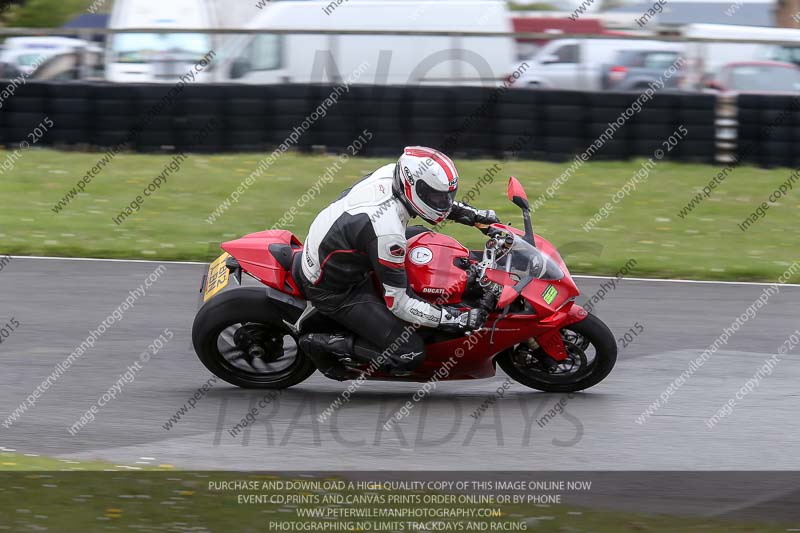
x,y
769,130
463,121
23,111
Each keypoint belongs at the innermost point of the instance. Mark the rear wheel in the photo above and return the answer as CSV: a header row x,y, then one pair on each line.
x,y
591,355
240,339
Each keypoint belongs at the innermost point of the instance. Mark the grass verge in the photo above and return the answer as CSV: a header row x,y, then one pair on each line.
x,y
29,462
172,222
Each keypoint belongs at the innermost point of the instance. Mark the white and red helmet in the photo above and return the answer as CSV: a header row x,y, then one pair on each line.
x,y
426,180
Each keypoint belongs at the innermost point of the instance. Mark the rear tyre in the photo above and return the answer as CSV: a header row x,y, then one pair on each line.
x,y
592,353
244,341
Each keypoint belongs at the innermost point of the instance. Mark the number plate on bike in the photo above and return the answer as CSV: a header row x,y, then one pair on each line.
x,y
217,278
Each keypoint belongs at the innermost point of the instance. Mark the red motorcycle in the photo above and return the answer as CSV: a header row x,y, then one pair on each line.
x,y
248,335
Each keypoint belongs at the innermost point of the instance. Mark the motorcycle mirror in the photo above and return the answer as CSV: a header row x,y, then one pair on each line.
x,y
517,194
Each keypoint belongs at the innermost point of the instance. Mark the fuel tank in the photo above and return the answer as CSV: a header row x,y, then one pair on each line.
x,y
432,267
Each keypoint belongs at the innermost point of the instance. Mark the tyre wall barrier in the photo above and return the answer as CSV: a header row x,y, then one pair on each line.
x,y
768,130
463,121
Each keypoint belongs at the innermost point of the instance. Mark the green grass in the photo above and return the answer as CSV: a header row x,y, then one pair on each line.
x,y
186,501
27,462
172,223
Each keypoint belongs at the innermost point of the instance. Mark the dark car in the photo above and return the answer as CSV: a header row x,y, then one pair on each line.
x,y
756,77
634,70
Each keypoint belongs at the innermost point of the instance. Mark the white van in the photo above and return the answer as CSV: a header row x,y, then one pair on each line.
x,y
714,55
158,57
380,59
578,63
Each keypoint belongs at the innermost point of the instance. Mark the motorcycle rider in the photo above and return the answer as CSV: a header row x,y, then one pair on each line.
x,y
363,231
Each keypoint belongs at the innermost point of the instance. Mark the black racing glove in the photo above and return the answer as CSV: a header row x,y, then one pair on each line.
x,y
486,216
469,216
456,320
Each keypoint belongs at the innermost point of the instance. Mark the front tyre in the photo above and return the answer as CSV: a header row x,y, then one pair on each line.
x,y
241,339
592,353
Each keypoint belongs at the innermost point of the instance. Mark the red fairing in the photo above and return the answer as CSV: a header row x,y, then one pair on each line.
x,y
471,357
566,288
252,253
431,269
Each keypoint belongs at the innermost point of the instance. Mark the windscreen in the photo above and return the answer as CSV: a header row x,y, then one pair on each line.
x,y
527,261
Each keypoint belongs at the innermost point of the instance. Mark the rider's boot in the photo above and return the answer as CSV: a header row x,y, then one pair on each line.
x,y
335,353
330,352
396,365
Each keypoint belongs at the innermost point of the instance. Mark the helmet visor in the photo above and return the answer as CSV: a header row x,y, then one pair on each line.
x,y
439,200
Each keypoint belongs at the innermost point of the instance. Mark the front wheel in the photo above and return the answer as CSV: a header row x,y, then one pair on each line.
x,y
591,355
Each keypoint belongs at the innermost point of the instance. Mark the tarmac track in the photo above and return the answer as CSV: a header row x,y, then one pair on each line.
x,y
57,302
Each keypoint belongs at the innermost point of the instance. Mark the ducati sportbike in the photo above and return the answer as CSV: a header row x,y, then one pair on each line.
x,y
247,332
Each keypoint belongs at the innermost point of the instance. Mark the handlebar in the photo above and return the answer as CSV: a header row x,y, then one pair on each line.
x,y
484,228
